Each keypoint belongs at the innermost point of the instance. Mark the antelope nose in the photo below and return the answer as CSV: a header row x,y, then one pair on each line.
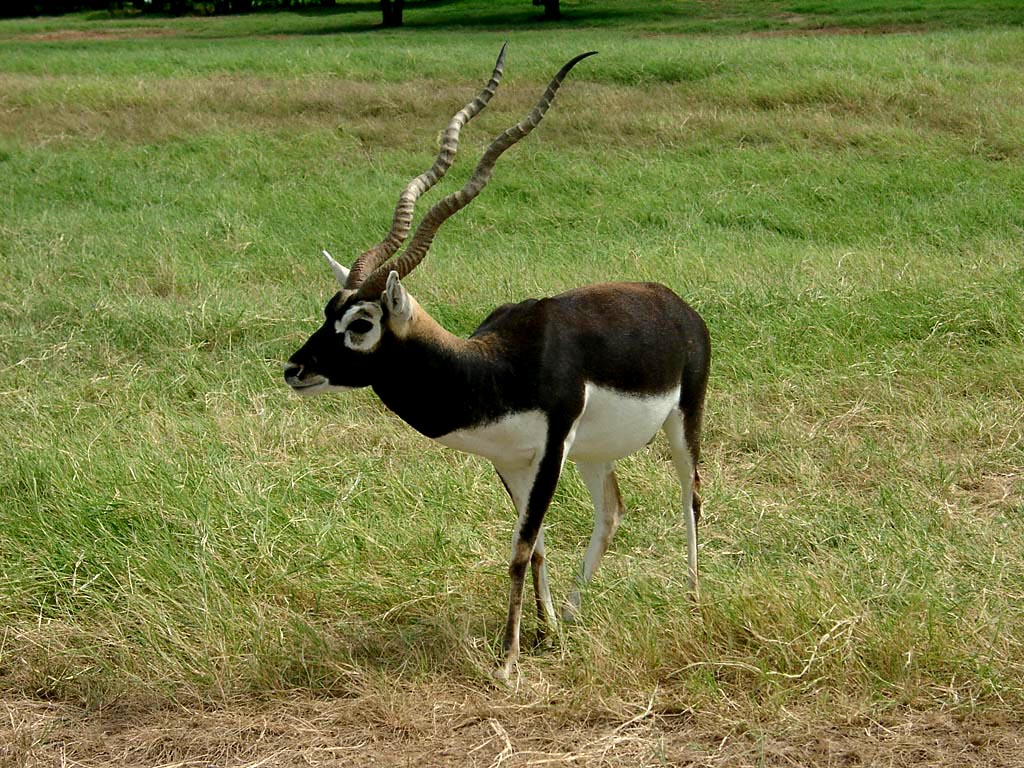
x,y
292,371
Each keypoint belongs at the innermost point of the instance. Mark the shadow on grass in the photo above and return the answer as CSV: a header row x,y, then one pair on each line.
x,y
429,14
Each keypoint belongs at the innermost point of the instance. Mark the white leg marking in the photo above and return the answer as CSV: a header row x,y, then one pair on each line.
x,y
600,481
685,470
541,587
519,482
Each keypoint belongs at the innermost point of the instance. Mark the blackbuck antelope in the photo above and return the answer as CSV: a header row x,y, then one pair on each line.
x,y
589,375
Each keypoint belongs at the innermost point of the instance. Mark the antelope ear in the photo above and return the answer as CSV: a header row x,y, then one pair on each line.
x,y
397,302
340,273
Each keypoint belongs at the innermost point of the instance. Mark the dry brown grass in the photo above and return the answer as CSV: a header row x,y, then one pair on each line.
x,y
142,112
92,35
826,113
457,726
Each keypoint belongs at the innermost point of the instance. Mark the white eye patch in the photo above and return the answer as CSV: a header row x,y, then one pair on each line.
x,y
361,326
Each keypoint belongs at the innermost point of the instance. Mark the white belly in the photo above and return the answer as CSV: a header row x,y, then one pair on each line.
x,y
615,424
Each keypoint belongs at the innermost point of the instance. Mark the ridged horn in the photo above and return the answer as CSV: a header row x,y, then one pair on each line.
x,y
372,258
444,209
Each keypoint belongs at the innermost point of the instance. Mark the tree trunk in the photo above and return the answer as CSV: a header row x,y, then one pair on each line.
x,y
551,10
391,12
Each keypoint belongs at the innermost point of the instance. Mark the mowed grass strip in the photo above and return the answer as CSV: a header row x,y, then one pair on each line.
x,y
844,211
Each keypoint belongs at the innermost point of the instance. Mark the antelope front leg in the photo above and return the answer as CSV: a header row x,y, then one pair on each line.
x,y
533,489
522,551
518,484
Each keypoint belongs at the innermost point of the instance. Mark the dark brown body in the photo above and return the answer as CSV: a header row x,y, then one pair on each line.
x,y
599,334
588,375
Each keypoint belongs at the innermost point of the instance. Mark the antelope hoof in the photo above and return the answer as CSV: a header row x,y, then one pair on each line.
x,y
571,610
502,673
544,640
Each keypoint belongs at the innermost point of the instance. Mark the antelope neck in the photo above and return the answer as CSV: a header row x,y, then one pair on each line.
x,y
438,382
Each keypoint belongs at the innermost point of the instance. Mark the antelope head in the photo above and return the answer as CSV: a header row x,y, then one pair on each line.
x,y
372,307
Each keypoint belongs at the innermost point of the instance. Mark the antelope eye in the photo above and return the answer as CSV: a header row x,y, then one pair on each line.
x,y
360,326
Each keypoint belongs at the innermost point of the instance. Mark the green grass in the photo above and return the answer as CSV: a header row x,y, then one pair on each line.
x,y
844,210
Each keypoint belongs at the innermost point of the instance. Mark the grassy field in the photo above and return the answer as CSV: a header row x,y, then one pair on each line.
x,y
197,567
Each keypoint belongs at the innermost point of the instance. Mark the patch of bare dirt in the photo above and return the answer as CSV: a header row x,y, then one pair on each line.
x,y
468,728
64,35
991,493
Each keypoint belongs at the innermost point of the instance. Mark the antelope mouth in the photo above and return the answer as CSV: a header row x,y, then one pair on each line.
x,y
320,381
303,383
307,388
312,384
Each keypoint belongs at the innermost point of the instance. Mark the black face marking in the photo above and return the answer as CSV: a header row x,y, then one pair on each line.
x,y
326,355
335,306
